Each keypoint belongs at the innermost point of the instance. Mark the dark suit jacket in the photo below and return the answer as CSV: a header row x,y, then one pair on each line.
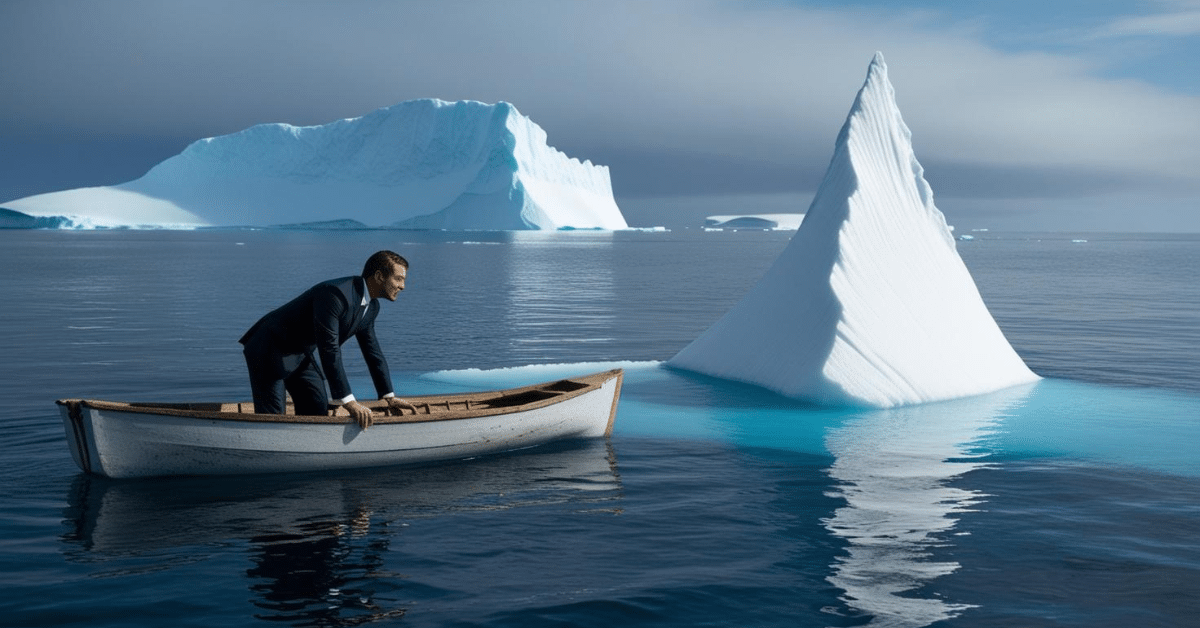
x,y
318,322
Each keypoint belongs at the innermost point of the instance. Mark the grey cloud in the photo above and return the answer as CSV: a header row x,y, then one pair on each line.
x,y
678,96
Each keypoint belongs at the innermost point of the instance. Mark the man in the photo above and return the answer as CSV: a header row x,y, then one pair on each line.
x,y
283,347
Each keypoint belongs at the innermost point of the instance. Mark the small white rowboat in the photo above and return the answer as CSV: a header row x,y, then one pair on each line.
x,y
126,440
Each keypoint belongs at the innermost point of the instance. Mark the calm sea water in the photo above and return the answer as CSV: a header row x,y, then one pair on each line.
x,y
1072,502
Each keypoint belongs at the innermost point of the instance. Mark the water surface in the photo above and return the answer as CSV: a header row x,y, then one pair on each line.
x,y
1072,502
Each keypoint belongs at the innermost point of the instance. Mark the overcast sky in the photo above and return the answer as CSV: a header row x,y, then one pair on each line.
x,y
1026,114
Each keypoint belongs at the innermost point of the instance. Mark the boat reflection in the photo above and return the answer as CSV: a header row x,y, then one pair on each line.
x,y
318,544
326,573
894,469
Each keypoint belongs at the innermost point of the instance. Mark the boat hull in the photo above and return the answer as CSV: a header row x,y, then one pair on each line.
x,y
118,442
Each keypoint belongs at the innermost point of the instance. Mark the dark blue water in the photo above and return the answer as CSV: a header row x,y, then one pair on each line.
x,y
1072,502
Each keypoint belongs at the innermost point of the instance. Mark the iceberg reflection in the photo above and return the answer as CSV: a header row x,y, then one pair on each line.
x,y
893,468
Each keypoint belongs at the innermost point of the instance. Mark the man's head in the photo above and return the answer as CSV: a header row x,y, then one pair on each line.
x,y
385,273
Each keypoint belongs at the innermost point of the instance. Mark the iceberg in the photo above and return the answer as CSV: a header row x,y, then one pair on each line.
x,y
765,222
869,304
422,164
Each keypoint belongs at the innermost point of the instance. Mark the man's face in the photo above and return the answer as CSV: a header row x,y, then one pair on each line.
x,y
391,285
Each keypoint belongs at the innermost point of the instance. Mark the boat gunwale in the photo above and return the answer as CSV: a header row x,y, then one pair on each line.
x,y
593,382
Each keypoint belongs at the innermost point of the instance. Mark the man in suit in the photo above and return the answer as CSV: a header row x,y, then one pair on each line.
x,y
283,347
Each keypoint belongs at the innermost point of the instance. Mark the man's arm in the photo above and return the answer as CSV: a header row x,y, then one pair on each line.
x,y
372,354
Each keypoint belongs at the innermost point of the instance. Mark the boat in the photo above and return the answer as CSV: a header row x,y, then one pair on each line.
x,y
132,439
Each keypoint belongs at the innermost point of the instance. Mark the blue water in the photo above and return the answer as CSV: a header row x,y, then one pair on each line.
x,y
1071,502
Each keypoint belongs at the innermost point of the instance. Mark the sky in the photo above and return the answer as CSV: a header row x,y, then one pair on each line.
x,y
1064,115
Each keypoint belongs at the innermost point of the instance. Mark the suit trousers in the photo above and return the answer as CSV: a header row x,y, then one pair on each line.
x,y
306,384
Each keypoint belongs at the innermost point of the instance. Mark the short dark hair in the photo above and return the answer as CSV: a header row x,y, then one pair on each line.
x,y
383,261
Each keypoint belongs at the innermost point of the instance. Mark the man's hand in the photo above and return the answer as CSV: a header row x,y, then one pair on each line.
x,y
398,405
361,413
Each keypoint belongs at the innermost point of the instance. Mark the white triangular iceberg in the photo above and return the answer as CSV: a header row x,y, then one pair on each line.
x,y
870,303
421,164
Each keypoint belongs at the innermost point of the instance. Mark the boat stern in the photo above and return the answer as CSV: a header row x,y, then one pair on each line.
x,y
78,430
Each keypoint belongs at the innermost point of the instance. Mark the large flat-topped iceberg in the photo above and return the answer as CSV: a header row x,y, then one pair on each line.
x,y
870,303
423,164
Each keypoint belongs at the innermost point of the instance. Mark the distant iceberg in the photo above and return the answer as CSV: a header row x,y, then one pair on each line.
x,y
870,303
768,222
425,164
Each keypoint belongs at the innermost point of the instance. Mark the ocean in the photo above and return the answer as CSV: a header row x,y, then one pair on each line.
x,y
1074,501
